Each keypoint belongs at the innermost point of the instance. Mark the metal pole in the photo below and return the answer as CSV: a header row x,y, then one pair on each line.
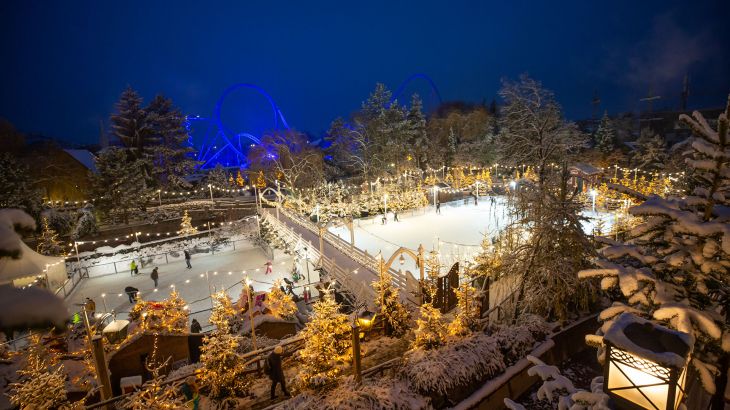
x,y
159,196
356,364
306,262
210,188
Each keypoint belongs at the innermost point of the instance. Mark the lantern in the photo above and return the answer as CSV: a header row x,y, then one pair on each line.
x,y
365,320
646,364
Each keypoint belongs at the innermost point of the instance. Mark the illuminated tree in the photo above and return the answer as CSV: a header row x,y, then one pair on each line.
x,y
327,342
605,137
186,225
153,394
222,370
279,303
48,243
41,369
224,314
392,311
239,179
261,181
170,315
468,310
430,328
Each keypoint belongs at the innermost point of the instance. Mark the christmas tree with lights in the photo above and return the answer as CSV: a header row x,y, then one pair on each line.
x,y
468,310
48,243
280,304
392,311
222,368
327,342
41,369
225,315
186,225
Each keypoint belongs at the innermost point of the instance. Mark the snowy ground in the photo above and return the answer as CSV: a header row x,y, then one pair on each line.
x,y
456,232
224,271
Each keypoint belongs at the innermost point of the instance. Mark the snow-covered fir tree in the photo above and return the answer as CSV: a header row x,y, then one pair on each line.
x,y
225,315
119,183
327,342
86,224
129,124
673,268
279,303
468,310
418,141
451,148
169,151
219,179
16,187
651,151
393,312
605,137
222,368
48,243
430,329
186,225
42,369
153,394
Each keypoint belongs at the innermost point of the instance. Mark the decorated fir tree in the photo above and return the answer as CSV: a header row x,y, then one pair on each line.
x,y
392,311
468,310
430,328
327,342
170,315
222,368
279,303
225,315
41,369
186,225
153,394
48,243
260,180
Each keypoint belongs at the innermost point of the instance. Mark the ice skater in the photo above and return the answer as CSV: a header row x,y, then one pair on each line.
x,y
438,207
133,268
395,216
187,258
155,275
269,268
132,293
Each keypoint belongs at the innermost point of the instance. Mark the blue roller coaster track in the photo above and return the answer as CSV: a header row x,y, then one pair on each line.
x,y
215,142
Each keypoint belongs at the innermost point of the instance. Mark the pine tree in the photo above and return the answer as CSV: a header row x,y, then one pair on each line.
x,y
129,124
430,328
169,150
42,368
224,314
451,148
222,368
260,180
48,243
651,151
468,310
119,182
239,179
16,187
327,342
153,394
280,304
674,266
393,312
605,137
417,138
86,224
218,179
186,225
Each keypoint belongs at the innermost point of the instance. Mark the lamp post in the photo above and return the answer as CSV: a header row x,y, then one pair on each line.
x,y
385,206
646,364
250,312
103,300
210,188
159,196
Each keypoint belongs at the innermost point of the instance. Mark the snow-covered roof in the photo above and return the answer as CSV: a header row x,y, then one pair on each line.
x,y
30,263
649,341
587,169
83,156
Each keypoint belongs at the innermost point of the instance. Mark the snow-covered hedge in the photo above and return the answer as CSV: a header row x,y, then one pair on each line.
x,y
379,394
442,374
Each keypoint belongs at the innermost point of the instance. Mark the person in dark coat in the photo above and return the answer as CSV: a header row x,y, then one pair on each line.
x,y
90,306
155,275
132,293
187,258
438,207
276,374
195,327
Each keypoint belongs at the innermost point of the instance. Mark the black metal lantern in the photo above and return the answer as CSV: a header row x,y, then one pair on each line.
x,y
646,364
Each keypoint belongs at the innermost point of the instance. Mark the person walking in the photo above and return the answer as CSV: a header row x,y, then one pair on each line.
x,y
438,207
395,216
155,275
195,326
133,269
132,293
187,258
275,372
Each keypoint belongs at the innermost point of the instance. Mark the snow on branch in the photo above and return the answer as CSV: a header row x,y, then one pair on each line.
x,y
10,221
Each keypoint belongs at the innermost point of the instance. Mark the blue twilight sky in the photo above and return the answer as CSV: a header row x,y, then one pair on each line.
x,y
64,63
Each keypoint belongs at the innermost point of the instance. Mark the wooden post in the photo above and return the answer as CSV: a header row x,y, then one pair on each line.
x,y
102,373
356,365
421,269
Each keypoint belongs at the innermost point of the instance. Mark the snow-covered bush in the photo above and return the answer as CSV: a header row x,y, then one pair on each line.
x,y
61,222
437,371
86,224
383,393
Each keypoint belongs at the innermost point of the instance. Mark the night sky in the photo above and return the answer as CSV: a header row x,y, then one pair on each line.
x,y
65,63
